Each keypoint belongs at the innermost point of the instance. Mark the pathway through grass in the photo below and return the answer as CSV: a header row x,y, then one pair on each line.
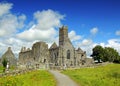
x,y
62,80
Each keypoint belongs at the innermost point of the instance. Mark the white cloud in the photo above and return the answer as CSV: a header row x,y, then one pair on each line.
x,y
35,34
87,45
47,19
21,20
44,29
102,44
118,32
5,8
9,23
14,43
94,30
73,36
114,43
86,42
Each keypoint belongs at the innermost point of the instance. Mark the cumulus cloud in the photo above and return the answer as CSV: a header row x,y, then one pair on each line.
x,y
15,34
44,28
86,45
5,8
15,43
47,19
9,23
94,30
114,43
35,34
118,32
73,36
86,42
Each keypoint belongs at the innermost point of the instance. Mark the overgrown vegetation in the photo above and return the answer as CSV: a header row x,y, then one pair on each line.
x,y
34,78
105,54
4,63
101,76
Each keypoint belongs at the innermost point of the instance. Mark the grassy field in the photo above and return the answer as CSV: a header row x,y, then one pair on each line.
x,y
34,78
108,75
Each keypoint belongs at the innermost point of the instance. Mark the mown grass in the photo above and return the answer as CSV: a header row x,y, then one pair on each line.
x,y
34,78
108,75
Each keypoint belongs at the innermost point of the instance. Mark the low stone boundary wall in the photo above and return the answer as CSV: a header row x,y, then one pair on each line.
x,y
19,71
15,72
94,65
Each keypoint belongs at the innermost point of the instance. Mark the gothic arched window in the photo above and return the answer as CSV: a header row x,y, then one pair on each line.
x,y
68,54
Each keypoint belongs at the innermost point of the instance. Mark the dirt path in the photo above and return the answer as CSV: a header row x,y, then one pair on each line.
x,y
62,80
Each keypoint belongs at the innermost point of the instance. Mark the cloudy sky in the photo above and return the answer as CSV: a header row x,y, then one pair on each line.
x,y
90,23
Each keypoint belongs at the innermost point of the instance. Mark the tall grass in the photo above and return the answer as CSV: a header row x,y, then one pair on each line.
x,y
34,78
101,76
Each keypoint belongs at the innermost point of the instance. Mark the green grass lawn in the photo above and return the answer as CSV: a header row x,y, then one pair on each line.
x,y
108,75
34,78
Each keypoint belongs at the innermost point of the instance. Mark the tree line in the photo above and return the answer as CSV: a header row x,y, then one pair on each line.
x,y
105,54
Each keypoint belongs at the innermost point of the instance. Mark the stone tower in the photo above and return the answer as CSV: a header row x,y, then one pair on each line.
x,y
66,49
63,35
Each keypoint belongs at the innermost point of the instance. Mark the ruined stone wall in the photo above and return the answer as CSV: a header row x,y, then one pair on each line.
x,y
68,54
25,57
40,52
54,56
80,56
37,57
10,57
54,52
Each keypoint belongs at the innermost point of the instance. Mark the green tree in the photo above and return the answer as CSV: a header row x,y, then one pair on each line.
x,y
4,62
105,54
97,53
112,54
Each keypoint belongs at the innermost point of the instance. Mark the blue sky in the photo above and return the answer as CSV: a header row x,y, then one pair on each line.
x,y
90,22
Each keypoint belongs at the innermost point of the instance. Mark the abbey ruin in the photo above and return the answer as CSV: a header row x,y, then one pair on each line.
x,y
62,55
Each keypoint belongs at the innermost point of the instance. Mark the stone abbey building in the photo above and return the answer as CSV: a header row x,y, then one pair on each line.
x,y
63,54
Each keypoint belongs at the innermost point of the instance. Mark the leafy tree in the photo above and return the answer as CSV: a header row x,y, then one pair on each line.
x,y
105,54
97,53
112,54
4,62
